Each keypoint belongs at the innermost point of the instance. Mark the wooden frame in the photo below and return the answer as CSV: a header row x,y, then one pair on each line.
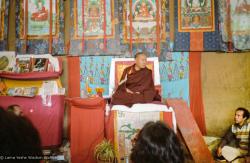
x,y
23,64
39,64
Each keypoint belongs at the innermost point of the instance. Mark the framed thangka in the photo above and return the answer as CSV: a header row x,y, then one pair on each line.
x,y
196,15
40,26
90,16
141,19
4,9
235,23
93,27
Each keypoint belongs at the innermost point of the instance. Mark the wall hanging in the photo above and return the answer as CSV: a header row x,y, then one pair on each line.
x,y
235,24
4,10
40,26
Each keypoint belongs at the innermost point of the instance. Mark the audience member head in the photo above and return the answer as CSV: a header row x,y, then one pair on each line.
x,y
157,143
18,137
140,60
241,114
16,109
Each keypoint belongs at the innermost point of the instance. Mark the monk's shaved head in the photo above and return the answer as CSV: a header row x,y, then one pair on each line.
x,y
140,60
140,53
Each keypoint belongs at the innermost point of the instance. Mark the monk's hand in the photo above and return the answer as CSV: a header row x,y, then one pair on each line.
x,y
137,92
219,151
129,91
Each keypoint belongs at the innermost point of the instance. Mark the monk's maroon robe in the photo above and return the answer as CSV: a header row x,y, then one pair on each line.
x,y
137,81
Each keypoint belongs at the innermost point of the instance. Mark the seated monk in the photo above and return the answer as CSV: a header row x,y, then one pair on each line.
x,y
136,84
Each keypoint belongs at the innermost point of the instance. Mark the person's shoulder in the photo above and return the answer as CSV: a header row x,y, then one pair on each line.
x,y
248,123
128,68
248,126
148,70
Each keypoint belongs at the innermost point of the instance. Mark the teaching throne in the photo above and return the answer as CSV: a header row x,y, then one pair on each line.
x,y
119,64
123,122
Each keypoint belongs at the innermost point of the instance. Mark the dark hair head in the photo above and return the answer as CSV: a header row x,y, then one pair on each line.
x,y
140,53
11,108
18,137
157,143
245,112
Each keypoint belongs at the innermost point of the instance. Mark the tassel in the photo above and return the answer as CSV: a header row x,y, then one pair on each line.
x,y
230,45
50,27
104,27
25,24
158,43
130,27
83,27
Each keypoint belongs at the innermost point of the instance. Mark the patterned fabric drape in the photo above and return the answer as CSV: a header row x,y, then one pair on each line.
x,y
196,22
235,24
174,73
40,26
94,71
4,12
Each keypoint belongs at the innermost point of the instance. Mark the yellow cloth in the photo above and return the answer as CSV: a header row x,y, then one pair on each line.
x,y
28,83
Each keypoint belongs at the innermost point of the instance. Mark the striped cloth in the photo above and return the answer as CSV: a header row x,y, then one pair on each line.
x,y
242,134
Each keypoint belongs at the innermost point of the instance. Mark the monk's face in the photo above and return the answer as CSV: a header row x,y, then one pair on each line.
x,y
141,61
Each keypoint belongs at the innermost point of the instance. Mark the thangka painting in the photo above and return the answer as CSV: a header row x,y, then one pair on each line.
x,y
39,22
174,73
94,26
235,23
94,17
4,10
127,125
195,15
38,19
144,20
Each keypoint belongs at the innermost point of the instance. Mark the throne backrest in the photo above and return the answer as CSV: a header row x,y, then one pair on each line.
x,y
119,64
